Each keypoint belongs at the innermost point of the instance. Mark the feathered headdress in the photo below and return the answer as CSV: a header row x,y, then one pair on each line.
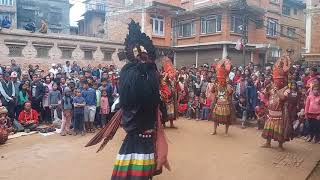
x,y
138,46
168,68
223,68
281,68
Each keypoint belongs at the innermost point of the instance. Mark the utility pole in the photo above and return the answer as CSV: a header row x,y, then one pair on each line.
x,y
243,8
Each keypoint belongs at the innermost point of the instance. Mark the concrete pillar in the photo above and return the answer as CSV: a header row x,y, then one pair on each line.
x,y
175,59
143,19
197,56
224,51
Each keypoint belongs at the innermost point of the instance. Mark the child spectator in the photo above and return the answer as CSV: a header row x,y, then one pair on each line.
x,y
261,113
206,109
89,95
46,112
55,101
78,112
104,108
312,111
97,119
29,118
242,110
190,111
66,104
196,107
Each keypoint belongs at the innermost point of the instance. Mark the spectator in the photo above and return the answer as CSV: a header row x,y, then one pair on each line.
x,y
44,27
29,118
89,95
104,108
16,68
78,112
75,67
37,93
55,101
6,23
8,94
54,70
66,104
46,111
67,69
31,27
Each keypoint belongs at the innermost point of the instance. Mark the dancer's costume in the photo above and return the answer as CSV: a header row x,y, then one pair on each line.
x,y
144,149
222,102
167,91
4,126
278,126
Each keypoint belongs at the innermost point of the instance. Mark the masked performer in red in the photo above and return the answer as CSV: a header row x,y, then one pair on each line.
x,y
222,102
144,149
167,92
277,126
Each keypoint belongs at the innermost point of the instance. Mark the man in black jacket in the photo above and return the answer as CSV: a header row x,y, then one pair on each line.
x,y
8,94
37,91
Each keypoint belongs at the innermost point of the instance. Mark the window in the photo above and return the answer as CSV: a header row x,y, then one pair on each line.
x,y
100,7
272,27
210,24
15,50
88,55
236,24
157,25
286,10
6,2
274,1
291,32
107,56
66,53
186,29
42,52
295,11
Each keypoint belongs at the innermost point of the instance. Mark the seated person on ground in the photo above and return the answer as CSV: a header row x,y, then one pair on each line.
x,y
29,118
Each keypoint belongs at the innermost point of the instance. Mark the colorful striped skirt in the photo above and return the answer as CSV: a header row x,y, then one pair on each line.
x,y
136,158
273,129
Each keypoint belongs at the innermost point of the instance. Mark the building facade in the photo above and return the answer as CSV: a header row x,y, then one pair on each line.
x,y
55,12
93,20
43,49
200,31
9,8
312,54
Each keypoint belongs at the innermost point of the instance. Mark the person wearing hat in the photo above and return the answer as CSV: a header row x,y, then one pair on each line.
x,y
4,125
16,83
29,118
8,94
54,70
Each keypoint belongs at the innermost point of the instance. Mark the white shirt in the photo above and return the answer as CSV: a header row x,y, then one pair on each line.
x,y
54,72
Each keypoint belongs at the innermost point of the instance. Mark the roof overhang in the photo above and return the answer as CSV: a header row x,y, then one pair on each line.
x,y
170,9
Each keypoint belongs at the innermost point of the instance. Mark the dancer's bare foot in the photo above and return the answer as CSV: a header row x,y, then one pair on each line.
x,y
266,145
214,133
281,147
226,135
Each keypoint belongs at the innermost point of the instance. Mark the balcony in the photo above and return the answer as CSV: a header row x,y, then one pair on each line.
x,y
44,49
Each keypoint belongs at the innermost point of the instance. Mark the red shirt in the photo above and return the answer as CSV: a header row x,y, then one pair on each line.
x,y
26,117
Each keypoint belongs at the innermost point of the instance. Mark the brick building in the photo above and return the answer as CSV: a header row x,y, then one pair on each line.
x,y
312,54
92,23
55,12
199,31
9,8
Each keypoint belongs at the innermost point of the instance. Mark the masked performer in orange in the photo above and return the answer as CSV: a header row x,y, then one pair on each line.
x,y
222,92
277,126
144,149
5,128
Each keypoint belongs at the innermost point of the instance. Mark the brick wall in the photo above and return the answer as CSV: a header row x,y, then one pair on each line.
x,y
30,43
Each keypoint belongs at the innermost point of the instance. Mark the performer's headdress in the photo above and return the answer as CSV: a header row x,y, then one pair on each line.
x,y
138,46
281,68
223,68
168,68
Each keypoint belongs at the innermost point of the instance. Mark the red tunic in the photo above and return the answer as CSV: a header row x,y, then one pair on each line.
x,y
29,117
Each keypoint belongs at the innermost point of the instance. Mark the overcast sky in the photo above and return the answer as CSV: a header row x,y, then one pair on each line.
x,y
76,11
